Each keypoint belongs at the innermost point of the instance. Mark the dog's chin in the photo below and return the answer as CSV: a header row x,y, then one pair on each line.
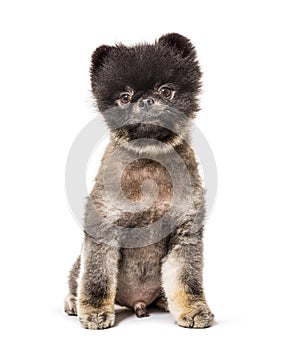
x,y
147,138
149,132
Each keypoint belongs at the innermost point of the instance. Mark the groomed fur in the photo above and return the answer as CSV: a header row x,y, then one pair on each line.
x,y
150,155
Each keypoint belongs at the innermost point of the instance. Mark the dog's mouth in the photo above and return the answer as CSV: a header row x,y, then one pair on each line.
x,y
147,132
158,128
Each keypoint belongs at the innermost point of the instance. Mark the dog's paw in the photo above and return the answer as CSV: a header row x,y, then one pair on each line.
x,y
196,318
161,303
70,305
140,310
97,319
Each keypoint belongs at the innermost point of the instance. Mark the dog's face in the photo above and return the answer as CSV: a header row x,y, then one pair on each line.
x,y
147,91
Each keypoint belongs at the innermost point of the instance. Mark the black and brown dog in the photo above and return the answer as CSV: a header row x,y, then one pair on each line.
x,y
145,215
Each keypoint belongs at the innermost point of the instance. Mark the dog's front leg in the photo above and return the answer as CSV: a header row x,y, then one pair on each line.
x,y
182,282
97,284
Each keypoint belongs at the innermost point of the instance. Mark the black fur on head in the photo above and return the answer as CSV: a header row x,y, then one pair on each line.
x,y
140,72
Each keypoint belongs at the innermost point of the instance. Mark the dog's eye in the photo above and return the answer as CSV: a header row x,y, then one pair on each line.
x,y
125,98
165,91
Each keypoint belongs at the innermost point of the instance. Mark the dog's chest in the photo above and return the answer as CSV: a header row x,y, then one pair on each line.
x,y
146,188
146,177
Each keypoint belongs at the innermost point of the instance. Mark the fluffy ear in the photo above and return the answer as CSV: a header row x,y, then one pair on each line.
x,y
179,43
99,56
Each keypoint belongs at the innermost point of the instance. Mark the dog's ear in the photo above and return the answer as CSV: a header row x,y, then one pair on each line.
x,y
178,43
99,56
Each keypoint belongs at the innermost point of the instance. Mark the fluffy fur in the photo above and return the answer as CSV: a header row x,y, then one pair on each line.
x,y
161,263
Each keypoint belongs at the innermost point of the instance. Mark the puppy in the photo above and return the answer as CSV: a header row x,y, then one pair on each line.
x,y
145,215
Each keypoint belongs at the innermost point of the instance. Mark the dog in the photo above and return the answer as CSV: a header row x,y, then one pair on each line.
x,y
144,219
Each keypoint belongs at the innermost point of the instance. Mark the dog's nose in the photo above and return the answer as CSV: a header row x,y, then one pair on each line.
x,y
146,102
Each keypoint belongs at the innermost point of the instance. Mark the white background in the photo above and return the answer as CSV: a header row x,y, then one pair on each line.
x,y
45,102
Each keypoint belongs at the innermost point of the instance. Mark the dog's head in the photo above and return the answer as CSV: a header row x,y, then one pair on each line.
x,y
147,91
